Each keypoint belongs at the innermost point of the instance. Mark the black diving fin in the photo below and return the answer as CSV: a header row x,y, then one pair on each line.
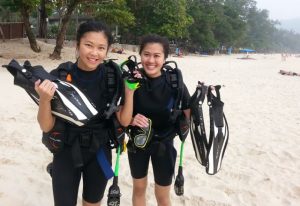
x,y
197,127
209,152
219,131
68,103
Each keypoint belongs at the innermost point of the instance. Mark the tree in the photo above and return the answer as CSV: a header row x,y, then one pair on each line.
x,y
165,17
25,7
114,13
201,32
230,26
260,29
67,7
43,19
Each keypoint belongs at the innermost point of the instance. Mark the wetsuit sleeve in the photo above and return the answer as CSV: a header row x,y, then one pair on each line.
x,y
185,98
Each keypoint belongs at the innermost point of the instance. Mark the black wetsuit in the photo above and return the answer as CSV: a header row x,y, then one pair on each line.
x,y
155,100
65,176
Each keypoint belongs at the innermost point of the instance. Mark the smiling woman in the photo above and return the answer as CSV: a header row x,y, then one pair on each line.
x,y
154,122
85,150
92,50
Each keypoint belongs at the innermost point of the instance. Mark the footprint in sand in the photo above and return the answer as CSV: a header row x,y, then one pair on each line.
x,y
237,176
296,191
201,201
4,161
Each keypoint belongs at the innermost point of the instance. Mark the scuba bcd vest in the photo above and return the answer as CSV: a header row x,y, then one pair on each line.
x,y
174,79
113,88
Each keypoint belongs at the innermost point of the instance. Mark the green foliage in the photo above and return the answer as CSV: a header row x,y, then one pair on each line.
x,y
170,19
165,17
201,32
112,12
199,24
53,30
15,5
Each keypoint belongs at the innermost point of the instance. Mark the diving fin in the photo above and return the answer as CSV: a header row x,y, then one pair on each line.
x,y
68,102
197,127
219,131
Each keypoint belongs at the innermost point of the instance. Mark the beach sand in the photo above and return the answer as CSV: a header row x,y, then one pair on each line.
x,y
262,161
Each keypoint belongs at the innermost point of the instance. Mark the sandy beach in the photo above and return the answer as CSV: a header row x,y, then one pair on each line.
x,y
262,161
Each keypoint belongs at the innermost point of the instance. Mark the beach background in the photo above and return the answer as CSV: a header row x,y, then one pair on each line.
x,y
262,161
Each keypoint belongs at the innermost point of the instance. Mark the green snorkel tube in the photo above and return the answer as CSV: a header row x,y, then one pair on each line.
x,y
183,130
179,181
114,194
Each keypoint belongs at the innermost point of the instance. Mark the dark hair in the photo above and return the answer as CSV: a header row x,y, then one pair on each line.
x,y
95,26
154,38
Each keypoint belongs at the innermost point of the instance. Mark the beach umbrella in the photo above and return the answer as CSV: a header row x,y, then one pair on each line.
x,y
247,50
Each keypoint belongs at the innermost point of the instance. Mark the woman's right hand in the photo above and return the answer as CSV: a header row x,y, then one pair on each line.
x,y
140,121
45,90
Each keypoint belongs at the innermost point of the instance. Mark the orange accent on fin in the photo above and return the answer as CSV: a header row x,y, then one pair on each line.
x,y
69,78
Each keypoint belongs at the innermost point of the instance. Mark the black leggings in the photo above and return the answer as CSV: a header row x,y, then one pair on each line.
x,y
163,163
66,178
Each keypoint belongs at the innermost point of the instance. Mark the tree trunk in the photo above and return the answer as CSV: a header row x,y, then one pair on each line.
x,y
32,40
2,34
43,20
62,30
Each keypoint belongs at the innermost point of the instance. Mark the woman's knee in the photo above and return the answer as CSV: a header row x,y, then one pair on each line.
x,y
139,186
162,194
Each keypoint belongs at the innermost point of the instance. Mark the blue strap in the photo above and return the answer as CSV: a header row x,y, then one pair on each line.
x,y
170,104
104,164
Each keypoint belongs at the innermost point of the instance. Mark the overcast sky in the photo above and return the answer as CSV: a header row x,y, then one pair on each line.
x,y
280,9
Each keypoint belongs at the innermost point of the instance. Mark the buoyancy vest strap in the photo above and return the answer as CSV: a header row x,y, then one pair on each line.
x,y
64,70
174,78
104,164
113,79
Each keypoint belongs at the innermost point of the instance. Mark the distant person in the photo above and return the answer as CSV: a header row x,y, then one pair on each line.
x,y
177,50
283,57
120,51
290,73
229,50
